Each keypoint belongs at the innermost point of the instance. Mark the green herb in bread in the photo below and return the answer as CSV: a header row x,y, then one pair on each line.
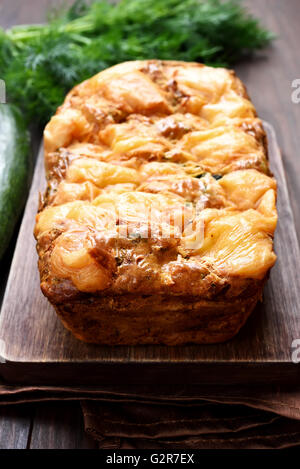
x,y
15,170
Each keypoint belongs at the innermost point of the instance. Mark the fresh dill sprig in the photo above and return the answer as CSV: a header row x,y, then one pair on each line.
x,y
40,63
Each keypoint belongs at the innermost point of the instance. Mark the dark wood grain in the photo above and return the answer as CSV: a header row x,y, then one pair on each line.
x,y
59,425
15,426
37,348
14,12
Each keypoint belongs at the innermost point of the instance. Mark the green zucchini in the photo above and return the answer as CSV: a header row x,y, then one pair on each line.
x,y
15,170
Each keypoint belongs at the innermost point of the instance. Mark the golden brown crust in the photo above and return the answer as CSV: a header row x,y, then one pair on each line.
x,y
138,320
181,141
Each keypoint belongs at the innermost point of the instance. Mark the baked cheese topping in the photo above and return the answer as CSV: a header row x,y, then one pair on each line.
x,y
153,165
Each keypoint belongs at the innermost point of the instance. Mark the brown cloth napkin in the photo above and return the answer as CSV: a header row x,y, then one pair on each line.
x,y
185,417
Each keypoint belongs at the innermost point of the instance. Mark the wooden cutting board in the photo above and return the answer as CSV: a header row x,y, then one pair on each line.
x,y
36,349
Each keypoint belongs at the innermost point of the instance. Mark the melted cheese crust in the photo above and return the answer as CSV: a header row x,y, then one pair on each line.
x,y
179,140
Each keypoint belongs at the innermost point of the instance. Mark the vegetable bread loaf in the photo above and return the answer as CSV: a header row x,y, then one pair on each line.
x,y
158,219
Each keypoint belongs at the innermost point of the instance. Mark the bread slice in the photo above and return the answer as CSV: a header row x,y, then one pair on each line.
x,y
158,219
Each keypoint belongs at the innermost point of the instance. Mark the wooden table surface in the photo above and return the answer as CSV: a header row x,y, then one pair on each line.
x,y
269,79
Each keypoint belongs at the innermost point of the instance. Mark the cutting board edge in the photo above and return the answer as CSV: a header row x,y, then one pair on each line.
x,y
201,373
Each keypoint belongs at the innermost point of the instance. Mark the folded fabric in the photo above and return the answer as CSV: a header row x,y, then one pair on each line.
x,y
208,426
184,417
